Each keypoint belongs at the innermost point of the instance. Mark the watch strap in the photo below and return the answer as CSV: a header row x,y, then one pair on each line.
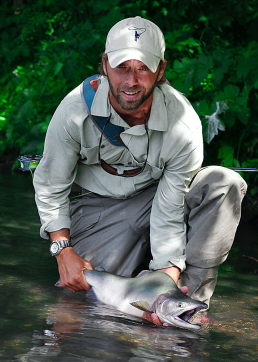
x,y
62,244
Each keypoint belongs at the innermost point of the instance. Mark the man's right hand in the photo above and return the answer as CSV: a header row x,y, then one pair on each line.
x,y
70,267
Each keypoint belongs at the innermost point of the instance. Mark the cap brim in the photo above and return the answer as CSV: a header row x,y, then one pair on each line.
x,y
119,56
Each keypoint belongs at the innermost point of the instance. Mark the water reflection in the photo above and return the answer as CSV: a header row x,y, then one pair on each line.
x,y
80,329
39,322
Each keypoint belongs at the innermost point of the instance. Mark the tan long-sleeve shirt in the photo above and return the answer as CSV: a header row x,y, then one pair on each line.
x,y
175,156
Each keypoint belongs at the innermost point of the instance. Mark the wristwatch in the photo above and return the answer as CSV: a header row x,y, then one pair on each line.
x,y
57,245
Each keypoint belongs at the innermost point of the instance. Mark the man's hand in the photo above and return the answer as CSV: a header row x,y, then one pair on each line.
x,y
174,273
70,267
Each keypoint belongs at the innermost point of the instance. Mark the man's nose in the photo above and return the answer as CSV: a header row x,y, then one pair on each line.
x,y
132,77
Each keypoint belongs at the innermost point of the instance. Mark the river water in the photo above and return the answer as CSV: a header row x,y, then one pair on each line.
x,y
39,322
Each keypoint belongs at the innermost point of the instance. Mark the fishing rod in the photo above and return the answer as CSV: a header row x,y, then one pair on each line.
x,y
251,169
30,163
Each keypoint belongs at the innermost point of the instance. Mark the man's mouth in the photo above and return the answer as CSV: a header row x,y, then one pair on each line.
x,y
130,95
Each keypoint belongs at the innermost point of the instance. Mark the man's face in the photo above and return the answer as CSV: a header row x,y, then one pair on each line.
x,y
131,83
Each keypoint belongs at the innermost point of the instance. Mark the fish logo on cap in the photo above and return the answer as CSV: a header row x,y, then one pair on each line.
x,y
138,32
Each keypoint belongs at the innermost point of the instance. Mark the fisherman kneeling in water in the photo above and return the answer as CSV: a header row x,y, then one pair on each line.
x,y
131,146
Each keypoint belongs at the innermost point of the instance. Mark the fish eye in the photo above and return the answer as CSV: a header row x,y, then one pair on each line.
x,y
180,304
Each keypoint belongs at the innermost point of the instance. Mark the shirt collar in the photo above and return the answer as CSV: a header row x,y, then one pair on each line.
x,y
158,117
101,106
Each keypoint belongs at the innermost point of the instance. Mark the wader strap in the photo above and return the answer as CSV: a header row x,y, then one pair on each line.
x,y
88,90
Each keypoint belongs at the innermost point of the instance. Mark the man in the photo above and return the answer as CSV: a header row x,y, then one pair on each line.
x,y
136,193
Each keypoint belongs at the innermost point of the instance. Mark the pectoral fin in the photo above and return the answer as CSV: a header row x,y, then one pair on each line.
x,y
142,305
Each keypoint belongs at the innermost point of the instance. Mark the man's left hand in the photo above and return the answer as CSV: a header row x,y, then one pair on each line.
x,y
173,272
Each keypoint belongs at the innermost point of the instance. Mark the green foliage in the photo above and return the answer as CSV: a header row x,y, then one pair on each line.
x,y
49,47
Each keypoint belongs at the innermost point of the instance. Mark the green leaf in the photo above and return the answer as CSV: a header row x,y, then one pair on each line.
x,y
30,92
244,67
254,77
198,76
201,107
243,115
164,11
203,18
236,163
218,75
178,84
188,82
58,67
227,154
202,67
254,190
183,66
230,118
2,123
231,91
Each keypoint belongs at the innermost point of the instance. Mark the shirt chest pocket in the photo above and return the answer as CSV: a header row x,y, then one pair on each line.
x,y
108,152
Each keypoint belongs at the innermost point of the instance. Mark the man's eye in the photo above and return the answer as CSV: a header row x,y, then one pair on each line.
x,y
120,66
144,68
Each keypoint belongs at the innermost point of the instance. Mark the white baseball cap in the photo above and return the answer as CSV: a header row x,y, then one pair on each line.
x,y
135,38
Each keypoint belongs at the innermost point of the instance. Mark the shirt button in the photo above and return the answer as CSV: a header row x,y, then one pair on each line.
x,y
102,146
129,163
128,197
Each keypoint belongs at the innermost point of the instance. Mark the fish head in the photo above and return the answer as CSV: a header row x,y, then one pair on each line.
x,y
177,309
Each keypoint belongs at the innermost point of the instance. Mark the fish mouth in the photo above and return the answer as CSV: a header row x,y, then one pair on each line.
x,y
185,316
182,317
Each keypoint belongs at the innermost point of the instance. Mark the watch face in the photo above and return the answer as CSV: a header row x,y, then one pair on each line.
x,y
54,248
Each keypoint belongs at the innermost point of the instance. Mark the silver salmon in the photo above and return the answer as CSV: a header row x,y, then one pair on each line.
x,y
153,292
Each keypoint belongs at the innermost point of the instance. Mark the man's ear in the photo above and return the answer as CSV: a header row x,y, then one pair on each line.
x,y
162,69
104,63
